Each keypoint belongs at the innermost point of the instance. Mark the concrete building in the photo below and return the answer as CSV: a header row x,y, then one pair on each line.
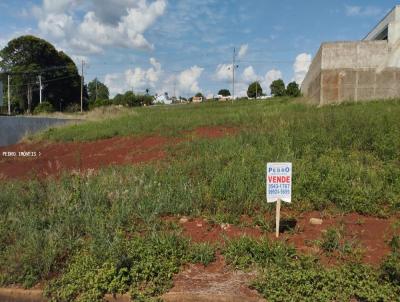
x,y
359,70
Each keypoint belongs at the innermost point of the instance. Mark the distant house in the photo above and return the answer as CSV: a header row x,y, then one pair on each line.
x,y
223,98
162,99
197,99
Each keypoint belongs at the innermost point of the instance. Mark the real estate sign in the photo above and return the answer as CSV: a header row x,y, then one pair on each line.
x,y
279,182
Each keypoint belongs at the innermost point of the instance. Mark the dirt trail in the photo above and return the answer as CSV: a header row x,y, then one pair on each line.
x,y
213,283
54,158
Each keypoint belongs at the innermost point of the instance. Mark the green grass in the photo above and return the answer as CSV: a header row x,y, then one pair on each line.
x,y
344,157
285,275
144,267
164,120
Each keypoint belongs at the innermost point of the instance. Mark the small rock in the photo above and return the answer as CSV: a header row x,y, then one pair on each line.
x,y
183,220
315,221
225,226
199,225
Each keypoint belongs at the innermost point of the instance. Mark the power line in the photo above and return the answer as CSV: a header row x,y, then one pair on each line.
x,y
46,81
35,71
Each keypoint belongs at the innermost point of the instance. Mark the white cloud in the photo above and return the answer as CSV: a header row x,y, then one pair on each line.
x,y
140,79
367,11
56,25
243,50
58,6
241,89
187,80
249,74
270,76
301,66
137,79
115,83
3,43
121,23
223,72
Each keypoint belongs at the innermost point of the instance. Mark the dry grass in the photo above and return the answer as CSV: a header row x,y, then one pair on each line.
x,y
96,114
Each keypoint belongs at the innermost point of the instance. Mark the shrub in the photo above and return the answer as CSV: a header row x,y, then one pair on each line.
x,y
391,268
74,107
245,252
145,266
317,284
331,240
203,253
99,103
44,107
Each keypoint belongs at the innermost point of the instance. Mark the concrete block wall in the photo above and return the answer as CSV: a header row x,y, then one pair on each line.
x,y
351,71
340,85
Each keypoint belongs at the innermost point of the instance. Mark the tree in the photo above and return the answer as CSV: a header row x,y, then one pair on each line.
x,y
254,90
97,91
131,100
278,88
28,57
293,89
224,92
199,94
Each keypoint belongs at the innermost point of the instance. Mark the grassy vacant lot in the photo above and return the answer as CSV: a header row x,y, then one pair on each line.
x,y
85,232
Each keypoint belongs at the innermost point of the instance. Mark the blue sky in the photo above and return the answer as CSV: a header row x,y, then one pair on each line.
x,y
186,46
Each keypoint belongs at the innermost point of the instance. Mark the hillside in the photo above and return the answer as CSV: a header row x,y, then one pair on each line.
x,y
123,204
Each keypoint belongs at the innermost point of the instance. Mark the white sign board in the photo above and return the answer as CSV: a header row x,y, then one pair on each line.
x,y
279,182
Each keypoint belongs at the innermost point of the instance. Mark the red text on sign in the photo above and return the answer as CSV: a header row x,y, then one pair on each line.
x,y
279,179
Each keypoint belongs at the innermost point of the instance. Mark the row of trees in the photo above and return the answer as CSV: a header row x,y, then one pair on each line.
x,y
28,61
277,87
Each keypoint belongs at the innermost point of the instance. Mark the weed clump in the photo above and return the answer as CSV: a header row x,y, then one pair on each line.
x,y
144,267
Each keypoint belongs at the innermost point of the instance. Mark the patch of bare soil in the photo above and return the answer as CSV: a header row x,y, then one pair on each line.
x,y
214,132
199,230
215,282
58,157
369,235
54,158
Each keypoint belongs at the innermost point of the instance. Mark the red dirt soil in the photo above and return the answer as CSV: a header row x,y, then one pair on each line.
x,y
214,132
82,156
59,157
368,233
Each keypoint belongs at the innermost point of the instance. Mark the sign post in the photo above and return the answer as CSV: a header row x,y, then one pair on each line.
x,y
279,186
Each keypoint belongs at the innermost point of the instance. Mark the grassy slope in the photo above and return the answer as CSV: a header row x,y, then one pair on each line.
x,y
345,157
167,120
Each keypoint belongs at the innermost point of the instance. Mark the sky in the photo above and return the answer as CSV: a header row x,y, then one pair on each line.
x,y
186,46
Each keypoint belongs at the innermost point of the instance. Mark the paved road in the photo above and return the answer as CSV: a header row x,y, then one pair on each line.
x,y
13,128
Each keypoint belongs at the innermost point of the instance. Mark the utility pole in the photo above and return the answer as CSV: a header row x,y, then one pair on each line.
x,y
96,89
256,88
174,86
29,98
233,73
40,89
234,66
82,85
8,95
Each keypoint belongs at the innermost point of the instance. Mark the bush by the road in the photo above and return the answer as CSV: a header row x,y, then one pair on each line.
x,y
44,107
